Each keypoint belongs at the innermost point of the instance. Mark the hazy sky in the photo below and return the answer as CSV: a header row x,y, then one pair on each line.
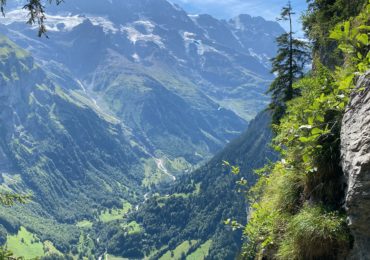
x,y
226,9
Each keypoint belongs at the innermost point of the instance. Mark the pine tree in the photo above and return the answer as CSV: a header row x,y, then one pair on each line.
x,y
288,66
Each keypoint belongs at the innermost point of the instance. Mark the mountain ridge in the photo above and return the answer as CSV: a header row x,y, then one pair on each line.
x,y
146,45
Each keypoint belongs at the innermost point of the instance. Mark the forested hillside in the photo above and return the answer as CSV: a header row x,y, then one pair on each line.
x,y
57,148
188,219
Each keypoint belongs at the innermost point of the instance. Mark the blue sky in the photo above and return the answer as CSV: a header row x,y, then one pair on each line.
x,y
268,9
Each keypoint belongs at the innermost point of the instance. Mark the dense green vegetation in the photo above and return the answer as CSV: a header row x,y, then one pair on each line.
x,y
296,204
321,17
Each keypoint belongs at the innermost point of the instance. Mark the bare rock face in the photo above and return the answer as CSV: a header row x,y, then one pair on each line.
x,y
355,149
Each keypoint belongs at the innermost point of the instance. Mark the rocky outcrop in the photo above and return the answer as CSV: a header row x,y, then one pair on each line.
x,y
355,149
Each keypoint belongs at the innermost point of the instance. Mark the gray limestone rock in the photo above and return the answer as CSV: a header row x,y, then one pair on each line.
x,y
355,150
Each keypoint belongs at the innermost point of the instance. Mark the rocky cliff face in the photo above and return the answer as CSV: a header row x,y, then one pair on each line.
x,y
355,138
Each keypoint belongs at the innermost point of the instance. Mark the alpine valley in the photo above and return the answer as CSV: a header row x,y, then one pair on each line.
x,y
117,125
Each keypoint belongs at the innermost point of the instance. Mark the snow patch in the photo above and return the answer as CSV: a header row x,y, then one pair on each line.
x,y
148,25
134,35
193,17
56,23
136,57
175,6
263,58
103,22
52,23
190,38
203,48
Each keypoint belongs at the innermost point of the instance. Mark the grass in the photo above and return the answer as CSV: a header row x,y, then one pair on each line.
x,y
112,257
201,252
155,252
313,233
115,214
132,228
49,248
84,224
183,248
25,244
45,228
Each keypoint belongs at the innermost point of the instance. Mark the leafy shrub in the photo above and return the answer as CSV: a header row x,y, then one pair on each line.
x,y
296,211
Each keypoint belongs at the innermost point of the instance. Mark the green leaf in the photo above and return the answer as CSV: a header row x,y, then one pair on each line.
x,y
306,158
316,131
346,27
304,139
346,82
320,118
363,38
235,170
364,27
342,105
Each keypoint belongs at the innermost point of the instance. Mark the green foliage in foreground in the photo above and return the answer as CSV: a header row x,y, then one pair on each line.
x,y
322,16
296,211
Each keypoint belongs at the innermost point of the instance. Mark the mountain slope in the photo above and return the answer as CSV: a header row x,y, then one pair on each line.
x,y
57,147
118,49
122,100
194,208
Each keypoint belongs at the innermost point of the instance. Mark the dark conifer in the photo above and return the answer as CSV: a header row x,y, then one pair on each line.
x,y
288,66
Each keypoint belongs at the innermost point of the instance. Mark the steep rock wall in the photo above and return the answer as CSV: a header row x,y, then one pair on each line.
x,y
355,150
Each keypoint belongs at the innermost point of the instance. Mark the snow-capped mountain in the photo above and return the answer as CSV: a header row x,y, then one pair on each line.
x,y
184,84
